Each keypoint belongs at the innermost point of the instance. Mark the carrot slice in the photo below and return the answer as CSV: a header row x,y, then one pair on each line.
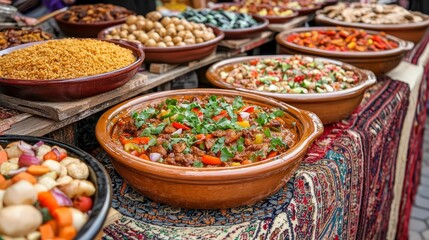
x,y
3,156
144,156
46,231
4,185
272,154
37,170
2,179
67,232
63,216
210,160
51,156
24,176
246,162
46,199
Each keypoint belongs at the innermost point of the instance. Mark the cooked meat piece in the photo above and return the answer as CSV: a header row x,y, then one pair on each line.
x,y
179,147
184,159
254,147
247,142
249,133
197,151
127,126
219,133
209,143
170,160
158,149
169,129
232,135
274,123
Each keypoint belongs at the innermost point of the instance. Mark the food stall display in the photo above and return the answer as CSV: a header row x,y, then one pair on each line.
x,y
15,37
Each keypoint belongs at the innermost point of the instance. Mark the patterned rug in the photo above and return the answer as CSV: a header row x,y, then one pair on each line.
x,y
341,185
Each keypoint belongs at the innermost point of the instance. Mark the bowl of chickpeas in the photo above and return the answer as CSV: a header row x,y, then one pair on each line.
x,y
167,39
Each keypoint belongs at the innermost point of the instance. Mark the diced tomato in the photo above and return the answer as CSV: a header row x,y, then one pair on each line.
x,y
253,62
82,203
248,109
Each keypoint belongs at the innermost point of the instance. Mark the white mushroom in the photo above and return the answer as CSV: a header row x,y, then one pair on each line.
x,y
20,193
67,160
6,167
50,174
48,182
78,170
13,150
40,188
53,166
42,150
28,217
34,235
78,188
64,180
14,160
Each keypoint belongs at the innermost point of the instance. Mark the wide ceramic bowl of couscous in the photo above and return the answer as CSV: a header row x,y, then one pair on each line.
x,y
68,69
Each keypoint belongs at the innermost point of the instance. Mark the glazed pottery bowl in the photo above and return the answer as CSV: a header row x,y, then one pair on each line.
x,y
85,30
97,175
177,54
271,19
409,32
252,32
329,107
207,188
74,88
379,62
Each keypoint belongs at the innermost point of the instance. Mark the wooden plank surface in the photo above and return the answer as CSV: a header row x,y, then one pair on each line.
x,y
243,45
39,126
81,108
296,22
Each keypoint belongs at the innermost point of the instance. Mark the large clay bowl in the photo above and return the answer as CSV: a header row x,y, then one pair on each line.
x,y
378,62
177,54
251,32
75,88
97,175
271,19
207,188
85,30
308,10
329,107
410,32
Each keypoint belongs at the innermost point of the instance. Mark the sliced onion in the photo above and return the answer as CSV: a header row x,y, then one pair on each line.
x,y
19,170
244,115
26,160
26,148
36,146
61,198
178,131
57,153
154,157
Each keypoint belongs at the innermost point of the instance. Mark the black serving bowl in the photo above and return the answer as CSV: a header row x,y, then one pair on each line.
x,y
97,175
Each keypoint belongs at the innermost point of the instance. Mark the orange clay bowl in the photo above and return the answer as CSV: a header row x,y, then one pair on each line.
x,y
329,107
177,54
378,62
60,90
410,31
85,30
207,188
271,19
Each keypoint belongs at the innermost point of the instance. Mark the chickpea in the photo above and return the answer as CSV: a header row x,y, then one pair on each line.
x,y
177,39
180,28
188,26
150,43
108,36
124,27
154,35
175,20
181,34
161,44
140,18
132,28
180,44
141,25
207,36
171,32
165,21
154,15
189,36
143,37
114,31
157,25
116,37
170,25
131,19
131,37
162,32
195,26
189,41
199,40
169,44
149,25
168,39
123,34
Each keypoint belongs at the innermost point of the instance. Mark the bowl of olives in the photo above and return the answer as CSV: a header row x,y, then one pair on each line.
x,y
167,39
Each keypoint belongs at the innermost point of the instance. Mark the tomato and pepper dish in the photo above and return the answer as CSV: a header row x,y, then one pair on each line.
x,y
295,74
206,131
343,39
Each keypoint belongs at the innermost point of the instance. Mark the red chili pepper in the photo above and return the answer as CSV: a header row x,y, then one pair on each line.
x,y
221,115
180,126
197,111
